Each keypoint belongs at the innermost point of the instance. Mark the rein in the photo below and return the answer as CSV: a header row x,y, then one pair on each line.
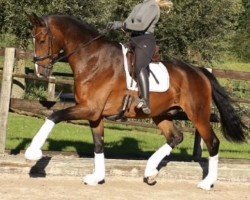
x,y
81,45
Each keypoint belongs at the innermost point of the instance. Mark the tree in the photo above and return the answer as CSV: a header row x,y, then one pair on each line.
x,y
198,30
16,21
195,30
241,42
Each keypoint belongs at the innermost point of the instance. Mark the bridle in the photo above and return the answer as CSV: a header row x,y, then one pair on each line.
x,y
50,54
59,56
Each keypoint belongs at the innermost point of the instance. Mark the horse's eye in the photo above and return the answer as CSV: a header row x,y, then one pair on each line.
x,y
41,41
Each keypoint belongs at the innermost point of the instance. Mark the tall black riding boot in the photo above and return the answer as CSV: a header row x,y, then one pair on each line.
x,y
144,89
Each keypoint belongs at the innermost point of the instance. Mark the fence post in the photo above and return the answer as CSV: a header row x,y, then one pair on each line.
x,y
51,89
18,87
5,95
198,145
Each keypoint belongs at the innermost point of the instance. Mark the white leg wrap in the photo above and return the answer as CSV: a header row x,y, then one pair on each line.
x,y
99,172
34,150
155,160
212,176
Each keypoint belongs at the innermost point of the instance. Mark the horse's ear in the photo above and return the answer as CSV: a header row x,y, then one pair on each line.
x,y
35,20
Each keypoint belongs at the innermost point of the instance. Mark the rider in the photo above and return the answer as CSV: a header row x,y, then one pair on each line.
x,y
141,23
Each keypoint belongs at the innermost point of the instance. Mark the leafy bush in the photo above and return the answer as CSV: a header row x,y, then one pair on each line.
x,y
196,30
36,91
241,41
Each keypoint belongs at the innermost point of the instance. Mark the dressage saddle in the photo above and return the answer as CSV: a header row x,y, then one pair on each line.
x,y
131,59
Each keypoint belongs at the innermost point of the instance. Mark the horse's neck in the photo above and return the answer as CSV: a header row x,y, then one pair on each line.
x,y
86,52
84,60
76,49
96,59
73,38
74,45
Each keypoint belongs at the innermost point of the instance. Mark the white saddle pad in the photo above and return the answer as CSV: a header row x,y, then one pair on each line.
x,y
158,81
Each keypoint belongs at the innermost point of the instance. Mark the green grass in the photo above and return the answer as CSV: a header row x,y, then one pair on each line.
x,y
236,89
120,141
7,40
232,65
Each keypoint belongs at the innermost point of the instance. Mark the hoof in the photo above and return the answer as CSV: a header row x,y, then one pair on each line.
x,y
92,180
33,154
149,180
205,185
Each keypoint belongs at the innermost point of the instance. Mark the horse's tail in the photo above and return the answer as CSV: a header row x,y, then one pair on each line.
x,y
232,126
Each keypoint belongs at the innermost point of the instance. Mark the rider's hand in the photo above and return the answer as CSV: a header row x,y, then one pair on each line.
x,y
114,25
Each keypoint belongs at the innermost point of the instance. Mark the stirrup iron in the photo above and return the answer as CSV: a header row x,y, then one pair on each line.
x,y
144,106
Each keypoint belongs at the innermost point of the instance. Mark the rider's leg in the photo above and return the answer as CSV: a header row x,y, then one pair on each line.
x,y
144,89
144,49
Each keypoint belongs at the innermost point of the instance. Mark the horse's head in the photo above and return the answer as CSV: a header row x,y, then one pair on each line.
x,y
46,46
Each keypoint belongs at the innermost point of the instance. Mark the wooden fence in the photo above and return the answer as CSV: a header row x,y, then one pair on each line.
x,y
47,107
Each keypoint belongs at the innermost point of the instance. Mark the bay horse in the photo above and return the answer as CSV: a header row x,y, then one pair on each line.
x,y
100,88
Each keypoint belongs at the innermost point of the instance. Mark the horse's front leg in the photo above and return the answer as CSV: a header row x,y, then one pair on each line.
x,y
98,175
77,112
173,137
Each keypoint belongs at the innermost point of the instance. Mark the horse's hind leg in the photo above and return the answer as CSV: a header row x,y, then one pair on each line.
x,y
212,143
173,137
98,175
202,123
